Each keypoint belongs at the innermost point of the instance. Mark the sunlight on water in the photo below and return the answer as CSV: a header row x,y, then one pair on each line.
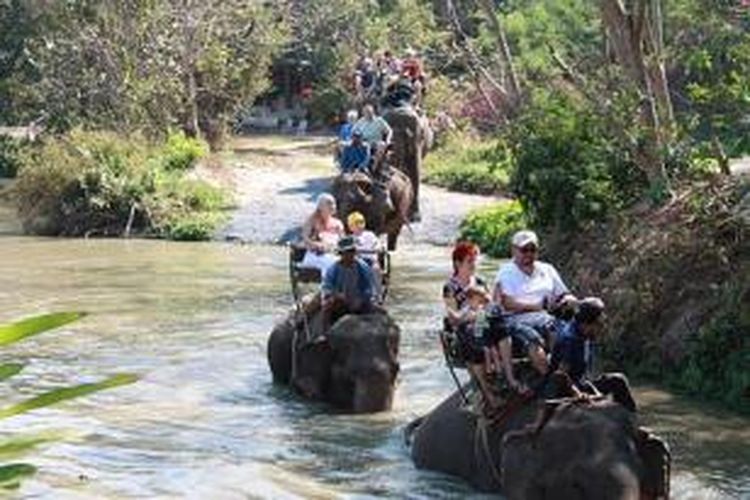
x,y
206,422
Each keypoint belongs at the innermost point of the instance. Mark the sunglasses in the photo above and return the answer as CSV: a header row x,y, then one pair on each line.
x,y
529,249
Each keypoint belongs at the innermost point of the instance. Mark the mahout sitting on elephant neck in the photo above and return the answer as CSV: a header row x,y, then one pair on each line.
x,y
353,366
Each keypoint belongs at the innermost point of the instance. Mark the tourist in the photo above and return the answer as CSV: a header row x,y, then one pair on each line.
x,y
320,234
356,156
460,318
368,246
374,128
527,289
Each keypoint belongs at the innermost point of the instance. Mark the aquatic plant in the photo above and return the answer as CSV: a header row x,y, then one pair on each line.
x,y
11,474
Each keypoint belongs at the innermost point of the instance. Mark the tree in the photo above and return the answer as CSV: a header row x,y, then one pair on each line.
x,y
635,37
151,65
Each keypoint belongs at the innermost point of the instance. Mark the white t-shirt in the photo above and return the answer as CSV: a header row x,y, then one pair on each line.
x,y
367,242
543,283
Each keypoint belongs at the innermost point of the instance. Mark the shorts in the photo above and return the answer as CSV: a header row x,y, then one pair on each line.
x,y
539,327
525,335
472,347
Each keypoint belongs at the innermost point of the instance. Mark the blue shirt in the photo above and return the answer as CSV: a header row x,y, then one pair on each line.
x,y
355,158
345,132
573,350
338,280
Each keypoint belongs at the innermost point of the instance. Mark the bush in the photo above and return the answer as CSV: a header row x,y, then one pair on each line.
x,y
181,152
492,227
568,168
719,354
469,165
99,183
10,152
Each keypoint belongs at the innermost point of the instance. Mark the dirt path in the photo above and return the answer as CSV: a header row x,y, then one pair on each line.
x,y
277,179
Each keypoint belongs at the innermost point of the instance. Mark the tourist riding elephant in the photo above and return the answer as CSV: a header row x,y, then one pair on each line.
x,y
353,367
411,140
384,201
545,451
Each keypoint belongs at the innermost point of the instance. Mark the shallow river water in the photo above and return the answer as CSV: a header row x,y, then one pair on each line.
x,y
206,422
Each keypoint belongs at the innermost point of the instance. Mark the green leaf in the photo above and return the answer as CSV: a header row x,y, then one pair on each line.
x,y
35,325
21,444
7,370
66,393
11,475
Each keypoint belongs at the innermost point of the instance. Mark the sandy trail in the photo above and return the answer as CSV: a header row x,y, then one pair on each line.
x,y
277,179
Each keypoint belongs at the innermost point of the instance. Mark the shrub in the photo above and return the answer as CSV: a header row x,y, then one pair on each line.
x,y
568,168
468,164
181,152
719,353
492,227
98,183
10,152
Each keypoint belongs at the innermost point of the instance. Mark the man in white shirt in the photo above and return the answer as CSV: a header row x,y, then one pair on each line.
x,y
527,289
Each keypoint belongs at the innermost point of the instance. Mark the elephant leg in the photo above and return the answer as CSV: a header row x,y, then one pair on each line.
x,y
392,240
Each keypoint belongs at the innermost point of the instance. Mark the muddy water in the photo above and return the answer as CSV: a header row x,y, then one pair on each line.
x,y
205,420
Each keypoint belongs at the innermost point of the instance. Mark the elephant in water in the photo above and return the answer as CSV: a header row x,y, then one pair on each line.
x,y
353,367
411,140
385,202
545,451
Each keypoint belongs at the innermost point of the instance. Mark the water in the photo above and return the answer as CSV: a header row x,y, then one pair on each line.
x,y
205,420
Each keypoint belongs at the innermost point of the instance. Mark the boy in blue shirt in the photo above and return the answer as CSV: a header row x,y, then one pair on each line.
x,y
572,357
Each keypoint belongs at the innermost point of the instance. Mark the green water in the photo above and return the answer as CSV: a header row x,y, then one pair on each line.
x,y
205,420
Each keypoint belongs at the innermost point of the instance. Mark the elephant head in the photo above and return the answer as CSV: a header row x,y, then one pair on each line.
x,y
545,450
365,366
358,193
582,452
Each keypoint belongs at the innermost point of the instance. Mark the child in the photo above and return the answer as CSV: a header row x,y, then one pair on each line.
x,y
489,333
368,245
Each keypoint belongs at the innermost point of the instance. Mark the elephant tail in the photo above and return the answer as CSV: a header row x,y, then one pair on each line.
x,y
411,427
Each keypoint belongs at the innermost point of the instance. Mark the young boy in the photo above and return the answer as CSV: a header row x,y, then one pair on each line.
x,y
368,246
571,356
489,333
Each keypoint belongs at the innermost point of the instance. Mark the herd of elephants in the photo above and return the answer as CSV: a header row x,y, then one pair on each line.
x,y
535,449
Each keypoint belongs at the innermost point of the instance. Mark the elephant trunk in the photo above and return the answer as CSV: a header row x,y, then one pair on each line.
x,y
372,396
373,390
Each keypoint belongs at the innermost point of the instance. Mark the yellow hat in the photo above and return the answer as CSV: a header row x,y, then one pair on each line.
x,y
355,219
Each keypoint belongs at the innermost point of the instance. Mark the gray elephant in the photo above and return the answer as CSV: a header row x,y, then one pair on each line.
x,y
353,367
558,450
411,140
384,202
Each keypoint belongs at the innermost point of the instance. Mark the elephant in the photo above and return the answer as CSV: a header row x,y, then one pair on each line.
x,y
384,201
411,140
353,367
557,449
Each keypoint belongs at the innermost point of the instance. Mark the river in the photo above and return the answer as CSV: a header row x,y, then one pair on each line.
x,y
205,421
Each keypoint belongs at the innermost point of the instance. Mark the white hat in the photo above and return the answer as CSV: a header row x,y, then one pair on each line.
x,y
525,237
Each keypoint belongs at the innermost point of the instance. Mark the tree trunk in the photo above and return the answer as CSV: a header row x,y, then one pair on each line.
x,y
635,40
501,40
